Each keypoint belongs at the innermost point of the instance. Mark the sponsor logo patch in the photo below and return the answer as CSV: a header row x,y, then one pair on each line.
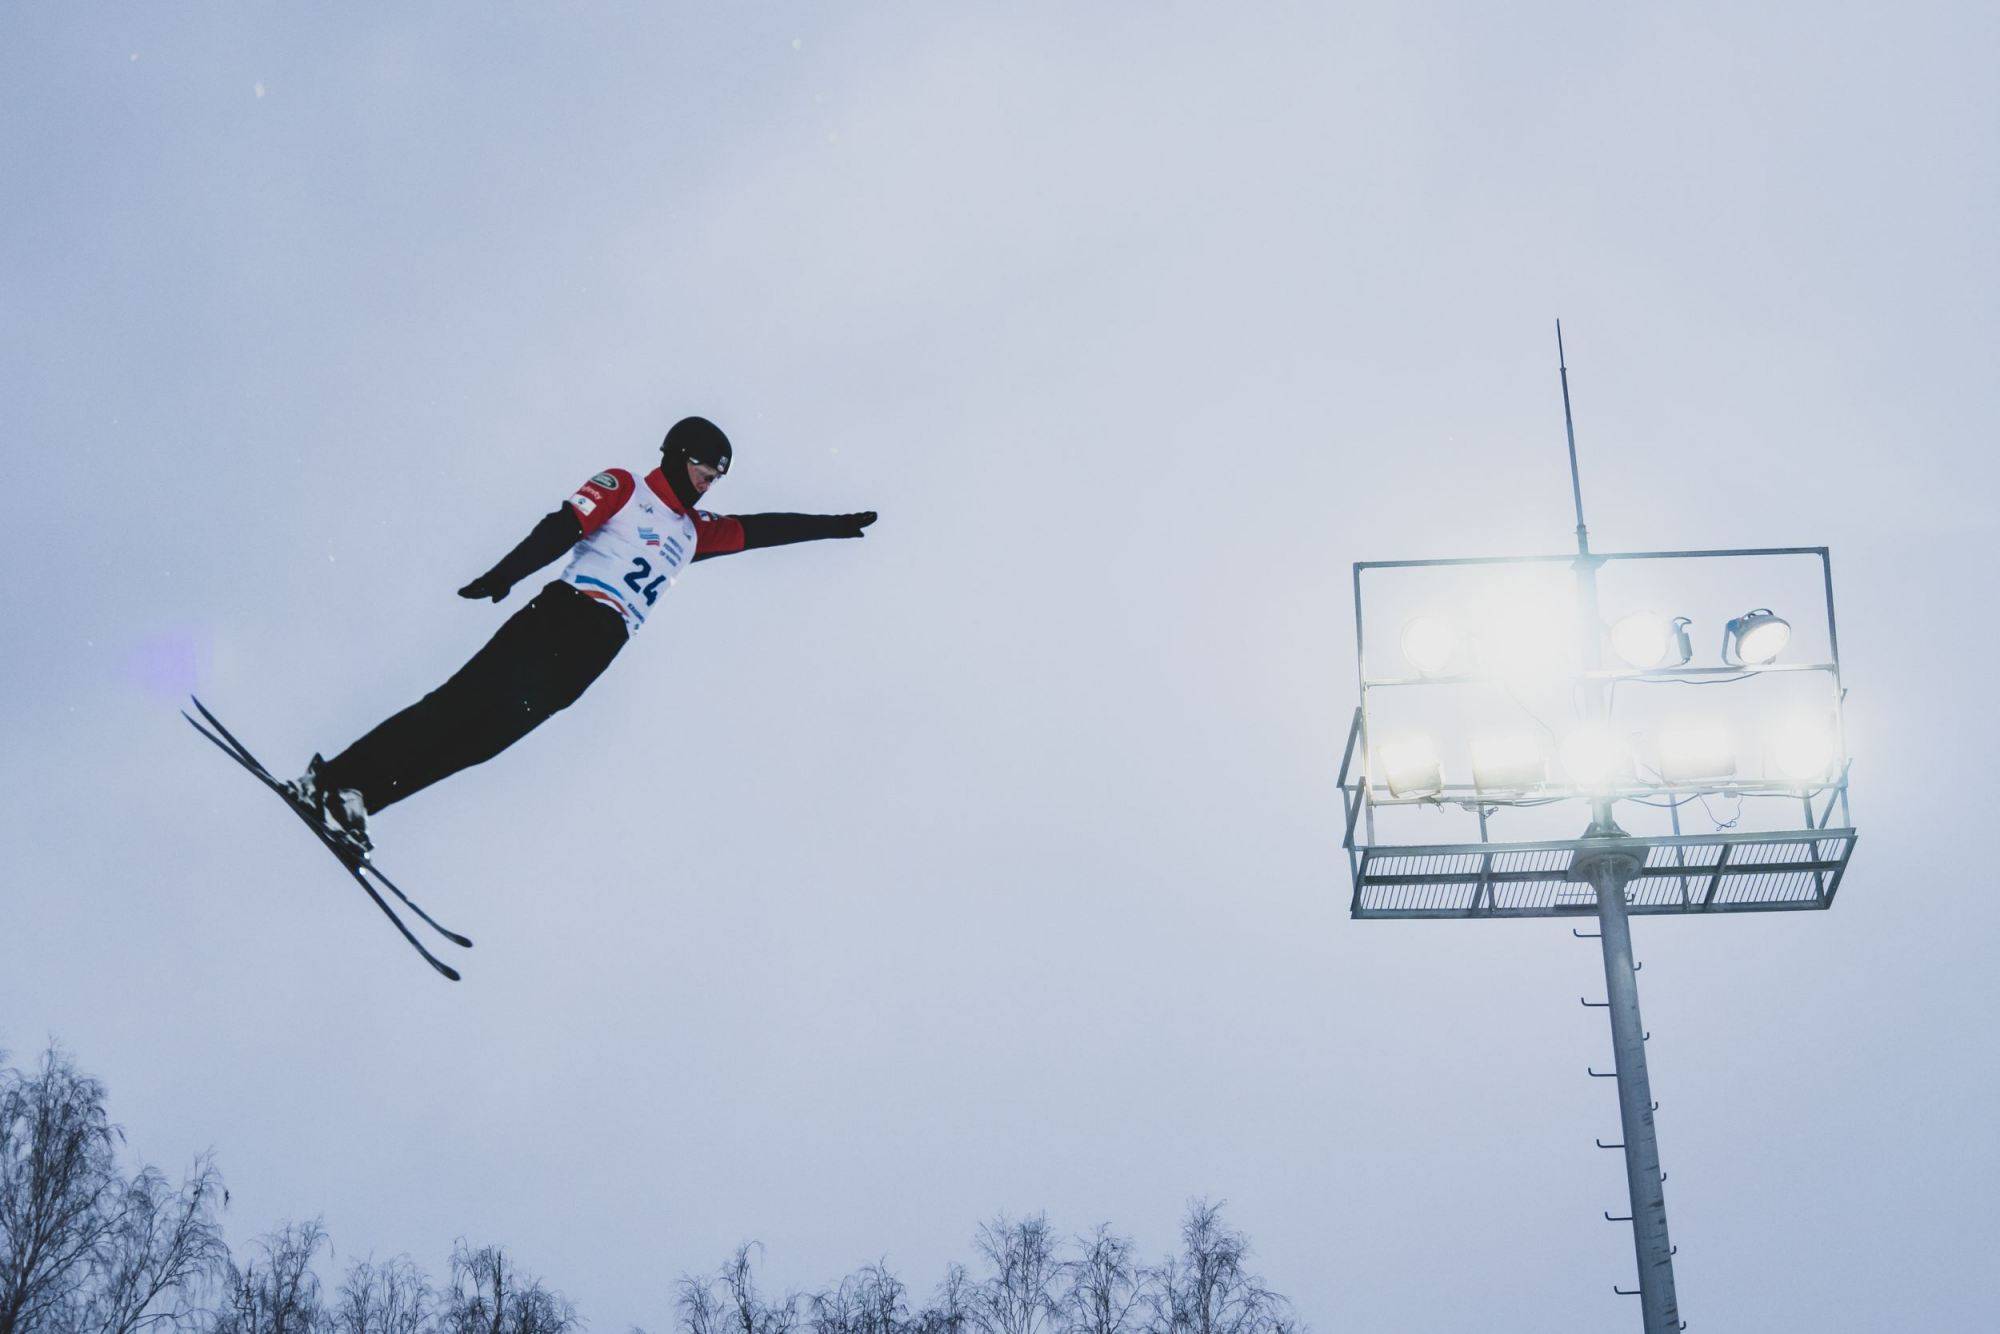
x,y
606,480
584,504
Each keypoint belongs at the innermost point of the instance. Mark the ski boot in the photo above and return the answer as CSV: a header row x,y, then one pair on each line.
x,y
340,809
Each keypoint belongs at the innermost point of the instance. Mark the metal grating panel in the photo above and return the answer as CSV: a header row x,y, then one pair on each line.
x,y
1706,873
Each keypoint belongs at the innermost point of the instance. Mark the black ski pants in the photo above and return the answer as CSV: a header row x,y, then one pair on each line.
x,y
537,664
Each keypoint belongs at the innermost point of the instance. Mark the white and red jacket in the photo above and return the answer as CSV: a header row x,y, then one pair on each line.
x,y
637,538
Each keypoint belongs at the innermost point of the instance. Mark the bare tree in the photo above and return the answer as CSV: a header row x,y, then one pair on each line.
x,y
869,1301
164,1247
749,1311
57,1181
393,1297
738,1308
1102,1286
85,1250
950,1311
282,1294
1019,1296
699,1309
1207,1288
1033,1285
488,1295
833,1311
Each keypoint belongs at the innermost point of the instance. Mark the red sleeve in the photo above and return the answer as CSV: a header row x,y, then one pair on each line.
x,y
716,534
600,498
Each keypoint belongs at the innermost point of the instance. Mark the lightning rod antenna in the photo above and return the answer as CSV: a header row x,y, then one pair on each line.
x,y
1569,429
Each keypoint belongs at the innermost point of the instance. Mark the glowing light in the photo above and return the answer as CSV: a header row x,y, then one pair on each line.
x,y
1508,763
1430,644
1754,638
1804,751
1594,758
1410,767
1646,640
1696,749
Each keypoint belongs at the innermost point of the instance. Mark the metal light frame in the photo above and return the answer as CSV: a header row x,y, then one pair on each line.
x,y
1722,871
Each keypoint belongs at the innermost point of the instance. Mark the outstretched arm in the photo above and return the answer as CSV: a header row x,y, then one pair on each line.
x,y
556,533
581,515
725,534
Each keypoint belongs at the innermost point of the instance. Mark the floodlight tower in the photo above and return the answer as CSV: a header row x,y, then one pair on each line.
x,y
1511,641
1606,864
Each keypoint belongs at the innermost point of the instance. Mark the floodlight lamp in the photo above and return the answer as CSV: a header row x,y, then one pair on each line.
x,y
1804,751
1410,767
1595,759
1694,750
1508,763
1755,638
1647,640
1430,644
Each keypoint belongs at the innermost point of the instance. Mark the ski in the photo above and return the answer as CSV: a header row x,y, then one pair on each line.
x,y
340,846
355,861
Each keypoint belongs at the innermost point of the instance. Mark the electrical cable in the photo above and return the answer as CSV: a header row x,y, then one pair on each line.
x,y
1611,695
1721,825
1521,704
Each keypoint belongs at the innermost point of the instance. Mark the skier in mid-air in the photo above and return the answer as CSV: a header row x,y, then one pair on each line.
x,y
629,541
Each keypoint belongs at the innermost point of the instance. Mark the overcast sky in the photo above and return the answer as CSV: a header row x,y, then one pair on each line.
x,y
990,863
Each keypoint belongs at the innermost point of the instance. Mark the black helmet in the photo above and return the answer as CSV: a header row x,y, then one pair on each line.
x,y
699,439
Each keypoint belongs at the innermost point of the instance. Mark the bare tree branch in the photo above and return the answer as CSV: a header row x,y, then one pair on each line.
x,y
1102,1287
56,1177
1019,1295
950,1311
163,1250
393,1297
1207,1288
870,1301
282,1296
748,1311
487,1295
699,1310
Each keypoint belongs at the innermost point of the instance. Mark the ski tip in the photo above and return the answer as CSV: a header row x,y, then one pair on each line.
x,y
451,974
456,939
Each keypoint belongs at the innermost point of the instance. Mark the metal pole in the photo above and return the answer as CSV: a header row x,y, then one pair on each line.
x,y
1610,866
1569,430
1609,871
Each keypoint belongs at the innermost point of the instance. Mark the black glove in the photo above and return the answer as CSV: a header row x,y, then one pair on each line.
x,y
777,530
555,534
485,586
